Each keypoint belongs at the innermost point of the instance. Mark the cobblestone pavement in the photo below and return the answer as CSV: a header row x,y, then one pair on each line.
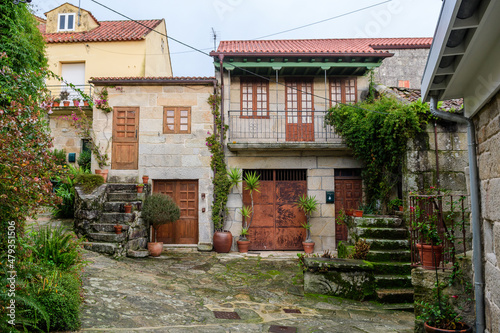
x,y
178,292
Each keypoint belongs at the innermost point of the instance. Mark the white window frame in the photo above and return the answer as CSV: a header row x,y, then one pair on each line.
x,y
66,15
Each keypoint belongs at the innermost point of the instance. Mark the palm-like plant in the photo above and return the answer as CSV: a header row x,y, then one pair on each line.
x,y
308,204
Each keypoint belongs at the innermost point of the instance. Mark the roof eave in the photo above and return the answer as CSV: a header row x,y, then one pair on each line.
x,y
301,54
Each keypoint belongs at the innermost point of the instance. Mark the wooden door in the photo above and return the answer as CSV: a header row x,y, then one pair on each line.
x,y
299,111
277,222
348,195
185,194
125,149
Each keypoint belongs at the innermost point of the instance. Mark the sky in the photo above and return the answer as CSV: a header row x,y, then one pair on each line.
x,y
194,21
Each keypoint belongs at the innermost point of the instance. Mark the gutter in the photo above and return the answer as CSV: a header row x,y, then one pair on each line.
x,y
477,262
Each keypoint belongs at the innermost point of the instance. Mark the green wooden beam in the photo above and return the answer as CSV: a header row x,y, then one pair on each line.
x,y
297,64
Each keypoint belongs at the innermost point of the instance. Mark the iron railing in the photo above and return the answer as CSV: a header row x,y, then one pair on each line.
x,y
280,127
449,214
58,91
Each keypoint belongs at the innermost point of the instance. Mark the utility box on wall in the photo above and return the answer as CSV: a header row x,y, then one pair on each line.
x,y
330,197
72,157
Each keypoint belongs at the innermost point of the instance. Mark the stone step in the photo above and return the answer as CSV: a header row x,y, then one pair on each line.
x,y
395,295
379,222
393,281
408,307
113,218
392,268
389,255
127,197
382,233
107,237
388,244
117,206
106,227
106,248
121,187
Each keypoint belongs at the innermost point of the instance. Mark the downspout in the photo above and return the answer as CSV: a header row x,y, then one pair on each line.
x,y
475,220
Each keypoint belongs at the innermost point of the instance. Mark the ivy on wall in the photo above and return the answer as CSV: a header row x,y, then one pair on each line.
x,y
378,131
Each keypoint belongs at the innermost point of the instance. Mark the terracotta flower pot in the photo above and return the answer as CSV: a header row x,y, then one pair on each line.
x,y
66,103
243,246
464,328
358,213
308,247
140,189
349,212
430,255
85,103
104,174
223,241
145,179
128,209
55,104
76,103
155,248
118,229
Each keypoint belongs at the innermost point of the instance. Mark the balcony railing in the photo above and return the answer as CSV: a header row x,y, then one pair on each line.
x,y
449,215
58,91
280,127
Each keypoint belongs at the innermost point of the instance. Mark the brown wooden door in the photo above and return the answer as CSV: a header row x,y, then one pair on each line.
x,y
185,194
348,195
277,221
299,111
125,149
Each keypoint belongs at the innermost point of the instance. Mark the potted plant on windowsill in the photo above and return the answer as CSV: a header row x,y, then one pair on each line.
x,y
64,95
56,102
157,210
76,101
308,204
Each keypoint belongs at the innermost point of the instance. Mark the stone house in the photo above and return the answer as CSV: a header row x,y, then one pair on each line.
x,y
275,96
463,63
158,128
78,47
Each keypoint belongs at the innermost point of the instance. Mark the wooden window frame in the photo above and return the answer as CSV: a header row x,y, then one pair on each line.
x,y
244,113
300,81
177,119
343,81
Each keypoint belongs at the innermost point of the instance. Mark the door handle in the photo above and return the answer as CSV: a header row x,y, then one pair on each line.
x,y
136,133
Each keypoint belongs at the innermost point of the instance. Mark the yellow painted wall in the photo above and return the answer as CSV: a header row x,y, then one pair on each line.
x,y
158,60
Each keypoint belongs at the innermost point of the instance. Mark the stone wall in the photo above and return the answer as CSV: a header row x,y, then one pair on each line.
x,y
406,64
487,123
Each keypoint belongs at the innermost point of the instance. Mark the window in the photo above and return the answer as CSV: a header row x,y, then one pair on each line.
x,y
66,22
254,98
176,120
343,91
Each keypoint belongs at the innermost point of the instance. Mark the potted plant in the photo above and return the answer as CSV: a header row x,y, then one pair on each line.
x,y
103,173
64,94
76,101
118,228
140,188
145,179
128,208
85,102
429,248
243,242
252,184
440,316
56,102
308,204
396,204
157,210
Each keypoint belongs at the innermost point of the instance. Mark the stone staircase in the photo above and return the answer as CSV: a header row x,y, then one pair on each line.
x,y
97,214
390,255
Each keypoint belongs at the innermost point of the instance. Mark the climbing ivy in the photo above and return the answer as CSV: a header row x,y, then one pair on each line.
x,y
220,181
378,131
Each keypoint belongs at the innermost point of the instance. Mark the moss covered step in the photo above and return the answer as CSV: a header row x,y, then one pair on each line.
x,y
120,187
117,206
106,227
383,233
106,248
117,217
402,295
106,237
122,197
379,222
388,244
389,255
392,268
393,281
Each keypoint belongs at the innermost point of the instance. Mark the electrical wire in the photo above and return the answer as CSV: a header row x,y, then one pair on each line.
x,y
241,68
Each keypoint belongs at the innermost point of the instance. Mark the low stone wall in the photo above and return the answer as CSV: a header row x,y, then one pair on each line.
x,y
348,278
424,280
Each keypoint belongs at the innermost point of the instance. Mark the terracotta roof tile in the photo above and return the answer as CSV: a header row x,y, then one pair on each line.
x,y
412,95
108,31
320,46
158,79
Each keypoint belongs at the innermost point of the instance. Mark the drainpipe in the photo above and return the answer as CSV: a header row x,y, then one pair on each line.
x,y
474,198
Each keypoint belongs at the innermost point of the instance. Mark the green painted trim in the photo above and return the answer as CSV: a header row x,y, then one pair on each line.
x,y
269,64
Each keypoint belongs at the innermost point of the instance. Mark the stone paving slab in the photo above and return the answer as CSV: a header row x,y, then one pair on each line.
x,y
177,293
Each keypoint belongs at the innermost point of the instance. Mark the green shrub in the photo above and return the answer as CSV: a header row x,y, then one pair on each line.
x,y
342,250
60,156
56,246
361,249
85,159
159,209
89,182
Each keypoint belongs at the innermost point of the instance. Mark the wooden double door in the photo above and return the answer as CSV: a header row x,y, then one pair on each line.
x,y
277,222
299,110
185,194
348,195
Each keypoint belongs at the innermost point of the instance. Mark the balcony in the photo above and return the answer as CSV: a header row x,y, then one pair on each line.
x,y
68,94
278,130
